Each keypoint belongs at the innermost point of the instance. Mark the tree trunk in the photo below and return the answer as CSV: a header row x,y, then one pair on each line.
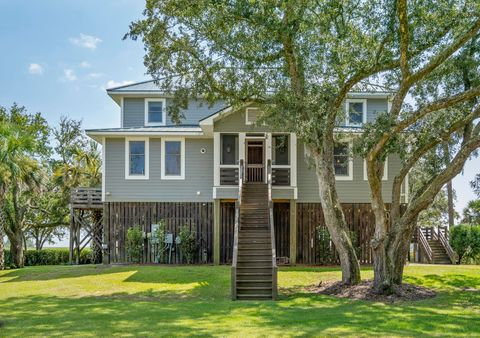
x,y
2,248
334,217
451,210
16,250
391,256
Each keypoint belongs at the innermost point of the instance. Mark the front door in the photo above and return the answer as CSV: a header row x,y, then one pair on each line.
x,y
255,160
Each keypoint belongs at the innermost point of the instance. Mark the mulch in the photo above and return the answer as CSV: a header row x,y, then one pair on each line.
x,y
364,291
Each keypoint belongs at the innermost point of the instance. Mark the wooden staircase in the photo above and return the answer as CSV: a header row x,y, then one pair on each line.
x,y
439,254
435,246
254,271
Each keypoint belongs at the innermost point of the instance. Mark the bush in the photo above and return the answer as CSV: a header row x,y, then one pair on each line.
x,y
134,244
50,256
187,244
465,240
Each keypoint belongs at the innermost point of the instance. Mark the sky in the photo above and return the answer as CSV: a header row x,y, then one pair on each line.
x,y
57,57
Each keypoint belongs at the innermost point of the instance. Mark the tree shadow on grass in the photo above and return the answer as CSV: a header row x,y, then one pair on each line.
x,y
140,274
298,315
449,280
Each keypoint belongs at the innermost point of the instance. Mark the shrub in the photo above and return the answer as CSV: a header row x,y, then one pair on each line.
x,y
158,241
187,243
49,256
134,244
465,240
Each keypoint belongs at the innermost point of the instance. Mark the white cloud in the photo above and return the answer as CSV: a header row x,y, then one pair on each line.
x,y
35,68
112,83
69,75
86,41
85,64
94,75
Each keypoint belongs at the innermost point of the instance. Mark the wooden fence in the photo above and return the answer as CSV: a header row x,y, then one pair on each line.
x,y
120,216
313,241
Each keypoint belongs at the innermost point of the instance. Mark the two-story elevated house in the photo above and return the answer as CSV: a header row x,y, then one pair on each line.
x,y
191,173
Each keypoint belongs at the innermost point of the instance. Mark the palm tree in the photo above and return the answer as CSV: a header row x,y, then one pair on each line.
x,y
20,174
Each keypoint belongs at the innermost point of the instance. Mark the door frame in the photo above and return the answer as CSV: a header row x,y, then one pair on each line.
x,y
264,153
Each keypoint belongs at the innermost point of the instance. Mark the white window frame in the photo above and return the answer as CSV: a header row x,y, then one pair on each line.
x,y
348,177
182,158
364,112
164,112
128,176
247,122
385,170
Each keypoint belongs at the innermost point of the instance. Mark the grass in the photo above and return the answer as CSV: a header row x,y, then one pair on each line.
x,y
194,300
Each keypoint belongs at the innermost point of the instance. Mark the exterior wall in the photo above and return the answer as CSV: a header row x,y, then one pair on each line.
x,y
374,107
198,175
349,191
235,122
134,112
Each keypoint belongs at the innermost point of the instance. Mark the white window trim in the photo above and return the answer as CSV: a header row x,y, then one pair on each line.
x,y
182,159
385,170
247,122
348,177
146,176
164,112
364,113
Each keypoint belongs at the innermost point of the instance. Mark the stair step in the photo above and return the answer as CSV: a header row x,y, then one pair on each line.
x,y
253,297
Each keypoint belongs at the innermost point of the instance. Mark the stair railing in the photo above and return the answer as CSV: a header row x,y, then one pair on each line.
x,y
443,238
427,250
272,231
238,204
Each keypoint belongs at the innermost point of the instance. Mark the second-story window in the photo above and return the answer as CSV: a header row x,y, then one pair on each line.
x,y
342,162
356,112
155,112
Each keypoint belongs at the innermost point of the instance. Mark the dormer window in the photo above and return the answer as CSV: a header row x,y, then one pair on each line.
x,y
155,112
356,112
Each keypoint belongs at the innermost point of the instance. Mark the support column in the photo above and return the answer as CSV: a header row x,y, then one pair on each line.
x,y
216,231
293,232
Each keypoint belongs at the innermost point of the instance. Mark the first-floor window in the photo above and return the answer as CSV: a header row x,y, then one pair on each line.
x,y
173,159
280,154
341,159
136,159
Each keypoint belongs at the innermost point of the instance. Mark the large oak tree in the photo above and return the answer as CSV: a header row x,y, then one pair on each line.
x,y
299,60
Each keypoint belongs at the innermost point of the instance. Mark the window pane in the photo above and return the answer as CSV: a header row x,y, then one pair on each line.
x,y
155,111
173,158
137,157
281,146
229,149
341,159
355,113
173,147
137,147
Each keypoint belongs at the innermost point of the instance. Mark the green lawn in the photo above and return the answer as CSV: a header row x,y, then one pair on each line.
x,y
194,300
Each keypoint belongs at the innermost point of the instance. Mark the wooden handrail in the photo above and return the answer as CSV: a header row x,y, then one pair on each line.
x,y
422,240
238,204
443,238
272,230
